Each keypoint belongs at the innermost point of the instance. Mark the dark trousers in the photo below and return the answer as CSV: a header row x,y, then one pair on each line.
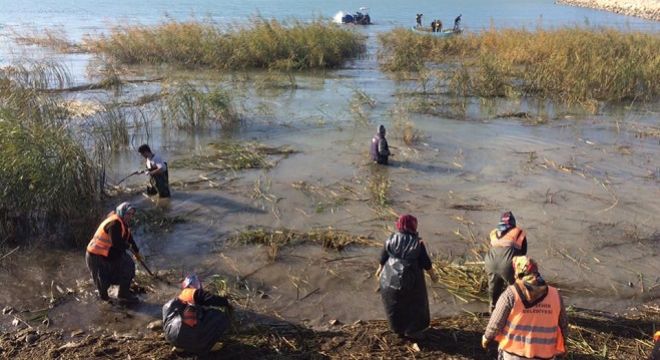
x,y
111,272
160,184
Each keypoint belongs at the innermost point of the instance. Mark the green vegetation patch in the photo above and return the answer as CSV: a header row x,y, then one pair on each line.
x,y
275,239
231,155
263,44
572,65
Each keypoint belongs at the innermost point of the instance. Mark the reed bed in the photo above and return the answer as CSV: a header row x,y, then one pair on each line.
x,y
572,65
189,108
275,239
263,44
231,155
51,187
55,39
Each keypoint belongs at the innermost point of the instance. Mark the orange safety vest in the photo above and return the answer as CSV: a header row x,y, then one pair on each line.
x,y
533,332
189,315
513,237
101,242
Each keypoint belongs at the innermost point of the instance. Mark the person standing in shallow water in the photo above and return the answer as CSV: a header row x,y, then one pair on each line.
x,y
402,285
106,256
380,151
506,241
157,172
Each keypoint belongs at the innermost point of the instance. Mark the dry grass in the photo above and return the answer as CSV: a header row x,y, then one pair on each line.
x,y
572,65
275,239
55,39
230,155
262,44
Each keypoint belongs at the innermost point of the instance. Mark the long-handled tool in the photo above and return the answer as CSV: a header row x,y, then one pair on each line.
x,y
129,175
139,259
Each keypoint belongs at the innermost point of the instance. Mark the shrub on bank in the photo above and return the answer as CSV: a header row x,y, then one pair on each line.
x,y
574,65
262,44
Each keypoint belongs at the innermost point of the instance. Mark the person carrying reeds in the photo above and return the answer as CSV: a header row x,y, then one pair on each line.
x,y
401,279
529,320
157,172
106,256
196,319
380,150
506,241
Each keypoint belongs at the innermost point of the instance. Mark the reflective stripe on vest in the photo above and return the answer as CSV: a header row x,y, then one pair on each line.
x,y
533,332
189,315
101,242
513,237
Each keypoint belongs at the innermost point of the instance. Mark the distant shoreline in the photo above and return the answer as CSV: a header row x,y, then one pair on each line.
x,y
647,9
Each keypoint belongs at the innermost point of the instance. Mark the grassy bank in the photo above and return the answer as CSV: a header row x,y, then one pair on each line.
x,y
572,65
49,184
264,44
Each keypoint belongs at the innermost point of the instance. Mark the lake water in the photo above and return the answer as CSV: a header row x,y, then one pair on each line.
x,y
585,186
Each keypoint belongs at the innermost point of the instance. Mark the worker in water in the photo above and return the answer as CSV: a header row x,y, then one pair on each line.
x,y
457,23
380,151
196,319
106,255
401,280
418,19
506,241
529,320
157,172
655,353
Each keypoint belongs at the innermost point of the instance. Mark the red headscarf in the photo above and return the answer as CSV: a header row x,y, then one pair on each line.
x,y
407,223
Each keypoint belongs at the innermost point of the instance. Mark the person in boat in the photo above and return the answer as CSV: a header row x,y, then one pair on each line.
x,y
196,319
529,320
419,20
106,256
457,23
401,279
380,150
506,241
433,26
438,26
157,172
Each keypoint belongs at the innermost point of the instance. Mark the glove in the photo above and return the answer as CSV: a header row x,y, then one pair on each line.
x,y
137,255
484,342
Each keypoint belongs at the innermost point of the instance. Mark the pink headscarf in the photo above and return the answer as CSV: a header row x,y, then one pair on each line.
x,y
407,223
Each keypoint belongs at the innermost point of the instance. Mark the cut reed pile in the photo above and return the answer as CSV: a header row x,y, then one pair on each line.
x,y
263,44
467,282
275,239
231,155
50,185
572,65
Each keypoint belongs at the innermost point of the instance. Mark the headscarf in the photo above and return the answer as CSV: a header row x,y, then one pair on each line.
x,y
528,278
507,221
381,130
123,209
191,281
407,224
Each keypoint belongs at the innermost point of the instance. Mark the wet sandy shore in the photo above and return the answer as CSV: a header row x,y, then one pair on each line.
x,y
647,9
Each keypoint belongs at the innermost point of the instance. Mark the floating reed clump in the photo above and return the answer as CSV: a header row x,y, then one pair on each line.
x,y
263,44
572,65
156,220
231,155
55,39
187,107
466,282
275,239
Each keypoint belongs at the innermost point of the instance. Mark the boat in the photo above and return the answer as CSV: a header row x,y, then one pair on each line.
x,y
360,17
443,33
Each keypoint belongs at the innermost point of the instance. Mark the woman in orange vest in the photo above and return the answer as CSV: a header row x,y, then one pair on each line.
x,y
106,255
506,241
655,353
195,320
529,320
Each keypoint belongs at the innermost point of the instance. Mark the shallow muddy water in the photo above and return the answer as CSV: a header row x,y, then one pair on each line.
x,y
586,187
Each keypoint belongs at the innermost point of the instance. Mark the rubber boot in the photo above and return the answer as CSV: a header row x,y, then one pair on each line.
x,y
126,296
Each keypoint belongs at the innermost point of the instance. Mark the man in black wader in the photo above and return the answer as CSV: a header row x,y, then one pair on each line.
x,y
196,319
106,256
506,241
380,151
157,172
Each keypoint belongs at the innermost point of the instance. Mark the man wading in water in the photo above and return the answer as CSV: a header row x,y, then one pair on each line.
x,y
157,172
380,151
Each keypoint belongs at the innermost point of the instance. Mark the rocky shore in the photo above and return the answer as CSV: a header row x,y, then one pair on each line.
x,y
647,9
